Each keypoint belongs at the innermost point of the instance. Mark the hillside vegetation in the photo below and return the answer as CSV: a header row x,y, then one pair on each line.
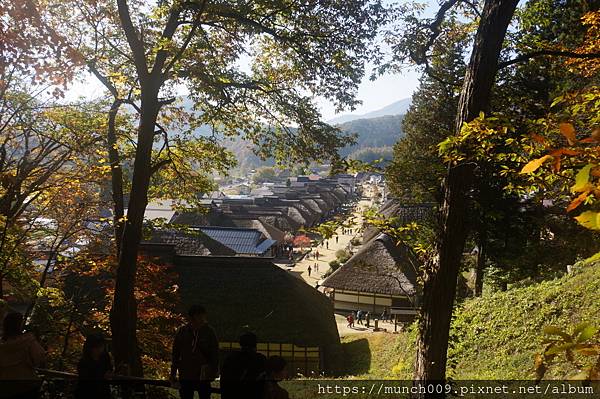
x,y
492,337
374,139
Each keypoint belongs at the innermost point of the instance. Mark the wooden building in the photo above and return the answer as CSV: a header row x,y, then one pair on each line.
x,y
380,276
290,318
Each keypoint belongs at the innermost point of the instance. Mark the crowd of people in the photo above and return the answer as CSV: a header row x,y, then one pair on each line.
x,y
195,364
364,318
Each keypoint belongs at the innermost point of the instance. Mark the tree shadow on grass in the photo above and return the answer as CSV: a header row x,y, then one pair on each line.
x,y
353,358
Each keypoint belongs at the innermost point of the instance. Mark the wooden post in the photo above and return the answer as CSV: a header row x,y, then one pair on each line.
x,y
395,323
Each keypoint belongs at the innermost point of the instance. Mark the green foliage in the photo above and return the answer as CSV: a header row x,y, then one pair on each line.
x,y
342,255
264,174
498,335
380,156
334,265
577,347
416,171
371,133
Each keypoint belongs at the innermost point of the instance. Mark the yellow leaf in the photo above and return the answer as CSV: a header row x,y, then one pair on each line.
x,y
582,179
578,201
589,220
567,130
534,165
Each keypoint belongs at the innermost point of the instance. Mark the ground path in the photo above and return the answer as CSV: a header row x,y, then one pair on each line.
x,y
327,254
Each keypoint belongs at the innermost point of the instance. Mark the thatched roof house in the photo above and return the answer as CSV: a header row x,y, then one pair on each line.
x,y
379,276
253,294
393,208
189,242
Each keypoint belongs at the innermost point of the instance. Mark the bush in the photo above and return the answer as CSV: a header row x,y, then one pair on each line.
x,y
342,255
355,241
334,265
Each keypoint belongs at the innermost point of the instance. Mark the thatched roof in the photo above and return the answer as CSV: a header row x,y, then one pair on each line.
x,y
210,217
379,267
340,193
393,208
322,204
329,198
313,206
268,230
253,294
190,242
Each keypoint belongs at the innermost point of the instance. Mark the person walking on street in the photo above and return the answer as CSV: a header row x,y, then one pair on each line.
x,y
327,244
337,238
359,315
350,320
317,255
195,355
368,319
309,270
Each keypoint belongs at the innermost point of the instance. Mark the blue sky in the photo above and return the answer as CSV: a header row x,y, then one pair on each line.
x,y
377,94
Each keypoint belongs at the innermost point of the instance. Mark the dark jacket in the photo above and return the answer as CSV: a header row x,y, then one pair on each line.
x,y
91,377
195,353
242,375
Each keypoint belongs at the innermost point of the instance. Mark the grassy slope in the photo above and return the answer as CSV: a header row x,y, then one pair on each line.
x,y
494,337
498,335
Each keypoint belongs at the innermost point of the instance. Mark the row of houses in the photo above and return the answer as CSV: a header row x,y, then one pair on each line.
x,y
224,256
382,275
254,225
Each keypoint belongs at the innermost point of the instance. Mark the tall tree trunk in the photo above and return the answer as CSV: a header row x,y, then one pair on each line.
x,y
440,282
116,173
123,315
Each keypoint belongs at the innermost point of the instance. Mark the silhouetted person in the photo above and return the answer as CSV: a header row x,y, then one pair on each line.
x,y
93,369
244,372
195,355
368,319
309,270
336,239
20,354
276,371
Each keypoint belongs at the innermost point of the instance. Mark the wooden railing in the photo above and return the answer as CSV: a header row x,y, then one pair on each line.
x,y
117,380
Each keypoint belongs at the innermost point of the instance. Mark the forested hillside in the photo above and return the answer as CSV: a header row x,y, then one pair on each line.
x,y
374,139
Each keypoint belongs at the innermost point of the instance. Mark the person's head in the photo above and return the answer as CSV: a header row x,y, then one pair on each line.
x,y
12,326
248,341
197,315
276,367
94,346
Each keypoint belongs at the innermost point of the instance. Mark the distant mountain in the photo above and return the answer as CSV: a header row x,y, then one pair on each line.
x,y
396,108
383,131
374,140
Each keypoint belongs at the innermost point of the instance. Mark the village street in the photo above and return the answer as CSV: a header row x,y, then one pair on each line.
x,y
326,255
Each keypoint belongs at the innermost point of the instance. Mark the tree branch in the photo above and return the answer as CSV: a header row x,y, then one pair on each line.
x,y
542,53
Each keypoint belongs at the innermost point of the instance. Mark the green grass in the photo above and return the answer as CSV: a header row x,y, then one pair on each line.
x,y
492,337
497,336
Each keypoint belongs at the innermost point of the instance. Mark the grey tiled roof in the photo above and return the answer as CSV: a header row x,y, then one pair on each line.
x,y
242,241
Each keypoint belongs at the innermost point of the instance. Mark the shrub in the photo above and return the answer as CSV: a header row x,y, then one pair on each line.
x,y
342,255
334,265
